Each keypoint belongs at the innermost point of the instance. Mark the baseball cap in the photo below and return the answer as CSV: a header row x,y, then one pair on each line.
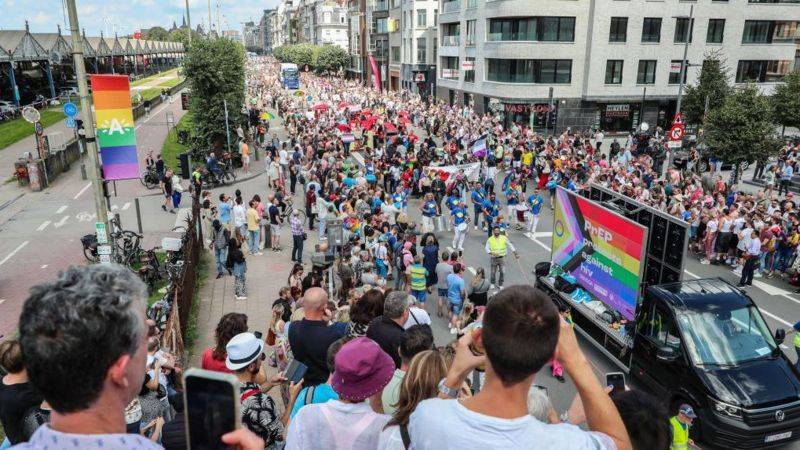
x,y
687,411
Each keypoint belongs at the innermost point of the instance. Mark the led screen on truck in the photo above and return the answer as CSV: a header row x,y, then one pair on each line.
x,y
601,249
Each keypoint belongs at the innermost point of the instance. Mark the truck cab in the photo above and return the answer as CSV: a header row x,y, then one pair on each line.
x,y
704,342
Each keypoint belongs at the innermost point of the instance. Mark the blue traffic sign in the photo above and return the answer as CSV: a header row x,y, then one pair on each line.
x,y
70,109
70,122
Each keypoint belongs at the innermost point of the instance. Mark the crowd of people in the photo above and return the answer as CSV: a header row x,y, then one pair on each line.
x,y
354,313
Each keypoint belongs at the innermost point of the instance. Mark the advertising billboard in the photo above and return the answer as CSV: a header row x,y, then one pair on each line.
x,y
116,135
602,250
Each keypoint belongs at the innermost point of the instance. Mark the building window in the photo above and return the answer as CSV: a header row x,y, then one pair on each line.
x,y
614,71
435,48
422,50
422,18
546,29
472,4
471,32
716,30
450,6
451,34
553,71
435,17
450,67
683,29
395,54
382,25
675,75
647,72
762,71
757,32
619,29
469,69
651,29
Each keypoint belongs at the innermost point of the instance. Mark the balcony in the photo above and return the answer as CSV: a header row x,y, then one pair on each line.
x,y
451,6
380,5
451,41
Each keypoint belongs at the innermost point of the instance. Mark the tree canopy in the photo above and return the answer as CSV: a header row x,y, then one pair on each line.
x,y
786,101
319,57
215,72
713,83
742,128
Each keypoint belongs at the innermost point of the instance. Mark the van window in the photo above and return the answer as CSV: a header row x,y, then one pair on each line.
x,y
660,328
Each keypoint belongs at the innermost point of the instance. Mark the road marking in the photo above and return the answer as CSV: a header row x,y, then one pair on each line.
x,y
84,216
61,222
691,274
114,207
126,206
44,266
43,225
14,252
2,300
769,314
61,209
82,191
153,114
532,237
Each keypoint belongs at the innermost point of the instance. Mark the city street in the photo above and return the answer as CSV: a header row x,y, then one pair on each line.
x,y
40,231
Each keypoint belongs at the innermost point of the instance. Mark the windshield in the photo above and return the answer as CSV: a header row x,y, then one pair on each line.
x,y
726,337
290,72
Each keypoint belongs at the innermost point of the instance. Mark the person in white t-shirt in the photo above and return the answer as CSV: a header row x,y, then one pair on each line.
x,y
526,321
416,315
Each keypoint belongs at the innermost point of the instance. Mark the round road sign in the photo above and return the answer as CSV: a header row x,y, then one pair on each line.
x,y
676,133
70,109
31,114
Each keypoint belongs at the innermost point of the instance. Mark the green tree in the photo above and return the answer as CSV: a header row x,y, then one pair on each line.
x,y
182,35
302,55
741,129
786,101
330,58
157,34
215,71
713,83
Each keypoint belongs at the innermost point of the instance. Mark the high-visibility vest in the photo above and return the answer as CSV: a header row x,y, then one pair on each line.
x,y
417,277
497,245
797,339
680,435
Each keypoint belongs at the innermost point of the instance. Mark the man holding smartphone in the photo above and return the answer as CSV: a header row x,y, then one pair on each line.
x,y
259,411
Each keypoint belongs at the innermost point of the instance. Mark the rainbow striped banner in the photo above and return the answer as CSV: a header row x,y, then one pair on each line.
x,y
116,135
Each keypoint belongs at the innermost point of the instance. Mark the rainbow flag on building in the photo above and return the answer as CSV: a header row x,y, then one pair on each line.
x,y
116,135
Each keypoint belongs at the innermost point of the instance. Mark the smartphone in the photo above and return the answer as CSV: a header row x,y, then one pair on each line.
x,y
295,371
617,381
211,402
258,334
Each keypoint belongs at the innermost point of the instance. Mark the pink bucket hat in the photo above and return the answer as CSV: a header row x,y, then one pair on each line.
x,y
362,369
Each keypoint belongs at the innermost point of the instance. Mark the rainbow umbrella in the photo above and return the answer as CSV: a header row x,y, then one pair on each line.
x,y
299,94
267,116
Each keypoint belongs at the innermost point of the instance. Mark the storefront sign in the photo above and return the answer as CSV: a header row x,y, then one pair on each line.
x,y
468,65
622,110
535,108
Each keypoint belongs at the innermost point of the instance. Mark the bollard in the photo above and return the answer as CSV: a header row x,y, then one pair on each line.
x,y
138,216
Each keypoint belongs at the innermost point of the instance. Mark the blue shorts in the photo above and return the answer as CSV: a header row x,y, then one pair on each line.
x,y
442,292
456,307
420,295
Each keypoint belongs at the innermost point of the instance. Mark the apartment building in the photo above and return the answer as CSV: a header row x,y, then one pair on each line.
x,y
607,64
330,24
412,45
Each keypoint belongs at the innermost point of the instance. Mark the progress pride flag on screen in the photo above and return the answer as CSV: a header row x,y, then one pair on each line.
x,y
116,136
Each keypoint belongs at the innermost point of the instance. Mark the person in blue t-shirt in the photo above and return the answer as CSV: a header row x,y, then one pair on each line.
x,y
429,211
460,224
451,201
535,202
478,196
225,209
491,209
400,198
512,200
456,293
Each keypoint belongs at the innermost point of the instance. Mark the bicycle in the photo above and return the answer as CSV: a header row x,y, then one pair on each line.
x,y
287,212
149,177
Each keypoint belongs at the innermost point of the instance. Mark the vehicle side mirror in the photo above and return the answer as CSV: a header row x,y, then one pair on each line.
x,y
667,354
780,335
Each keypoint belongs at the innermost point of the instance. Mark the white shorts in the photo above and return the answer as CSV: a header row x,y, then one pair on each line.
x,y
246,159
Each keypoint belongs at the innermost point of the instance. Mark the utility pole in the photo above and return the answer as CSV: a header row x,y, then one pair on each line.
x,y
209,17
684,63
188,23
88,121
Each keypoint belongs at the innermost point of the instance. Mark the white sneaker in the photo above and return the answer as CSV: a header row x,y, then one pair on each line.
x,y
705,261
475,228
757,275
492,286
241,298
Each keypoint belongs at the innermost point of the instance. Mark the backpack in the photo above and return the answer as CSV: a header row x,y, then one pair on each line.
x,y
398,256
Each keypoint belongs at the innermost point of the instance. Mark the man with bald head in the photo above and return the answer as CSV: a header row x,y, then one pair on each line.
x,y
310,337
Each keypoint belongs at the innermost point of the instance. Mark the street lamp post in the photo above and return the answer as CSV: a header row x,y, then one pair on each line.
x,y
684,63
188,24
88,122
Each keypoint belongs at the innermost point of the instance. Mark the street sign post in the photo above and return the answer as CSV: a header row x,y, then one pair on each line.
x,y
676,133
70,109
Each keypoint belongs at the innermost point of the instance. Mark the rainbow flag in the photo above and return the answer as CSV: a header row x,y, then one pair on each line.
x,y
116,136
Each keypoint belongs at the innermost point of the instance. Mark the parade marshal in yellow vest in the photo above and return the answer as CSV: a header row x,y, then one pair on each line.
x,y
680,428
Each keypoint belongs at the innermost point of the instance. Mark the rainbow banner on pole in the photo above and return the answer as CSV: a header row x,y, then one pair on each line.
x,y
116,135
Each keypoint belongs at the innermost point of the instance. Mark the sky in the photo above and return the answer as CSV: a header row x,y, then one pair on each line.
x,y
127,16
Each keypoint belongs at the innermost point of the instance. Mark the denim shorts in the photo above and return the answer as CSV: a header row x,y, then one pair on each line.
x,y
420,295
456,307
